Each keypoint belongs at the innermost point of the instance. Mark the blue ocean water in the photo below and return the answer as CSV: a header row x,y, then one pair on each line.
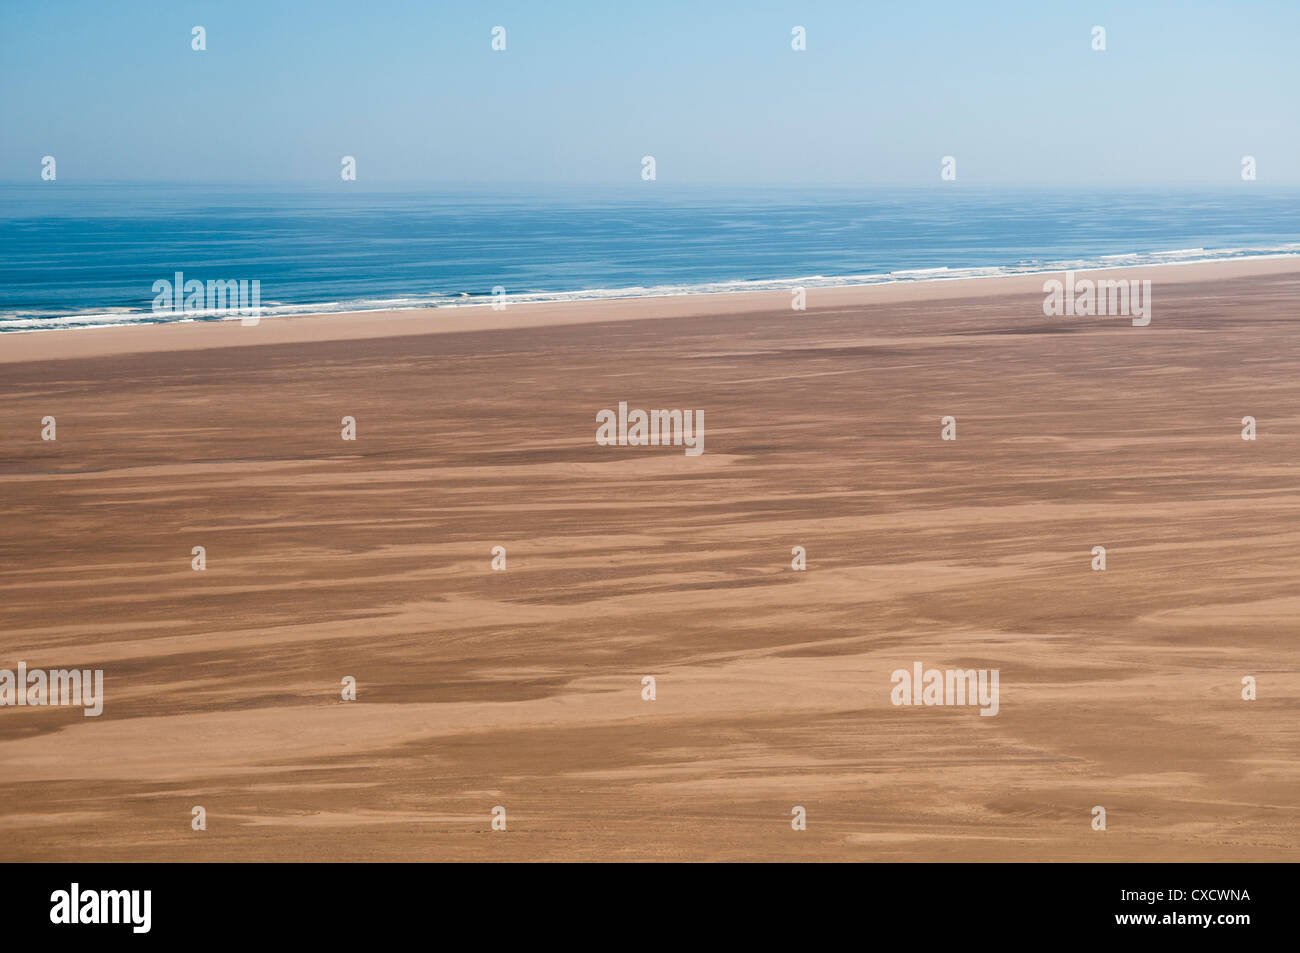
x,y
85,255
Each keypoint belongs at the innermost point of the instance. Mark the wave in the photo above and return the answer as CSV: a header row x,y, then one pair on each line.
x,y
36,320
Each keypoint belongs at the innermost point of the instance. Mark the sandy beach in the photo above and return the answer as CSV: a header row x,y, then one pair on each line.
x,y
476,688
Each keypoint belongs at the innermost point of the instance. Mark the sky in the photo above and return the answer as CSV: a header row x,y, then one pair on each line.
x,y
712,90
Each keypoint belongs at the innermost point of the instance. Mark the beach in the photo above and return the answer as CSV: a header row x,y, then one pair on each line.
x,y
523,687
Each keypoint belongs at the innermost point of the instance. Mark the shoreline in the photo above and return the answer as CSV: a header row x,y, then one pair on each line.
x,y
369,555
35,345
633,292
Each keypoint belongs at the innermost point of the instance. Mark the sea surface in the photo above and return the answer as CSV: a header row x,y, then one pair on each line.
x,y
75,255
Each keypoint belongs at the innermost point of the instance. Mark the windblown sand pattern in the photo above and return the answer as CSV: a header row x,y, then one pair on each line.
x,y
523,688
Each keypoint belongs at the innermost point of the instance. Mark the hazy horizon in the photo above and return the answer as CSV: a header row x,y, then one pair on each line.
x,y
416,94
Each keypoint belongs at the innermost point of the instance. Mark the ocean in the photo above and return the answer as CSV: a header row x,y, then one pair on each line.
x,y
89,255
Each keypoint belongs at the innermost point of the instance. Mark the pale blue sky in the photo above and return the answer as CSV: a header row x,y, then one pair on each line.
x,y
712,90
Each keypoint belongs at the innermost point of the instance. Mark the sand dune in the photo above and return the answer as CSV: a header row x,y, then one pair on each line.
x,y
476,688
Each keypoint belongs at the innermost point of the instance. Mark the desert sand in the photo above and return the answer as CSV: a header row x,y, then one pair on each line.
x,y
522,688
